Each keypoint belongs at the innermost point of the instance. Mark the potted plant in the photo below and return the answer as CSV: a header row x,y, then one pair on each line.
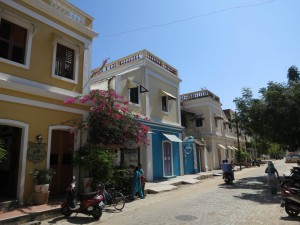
x,y
42,179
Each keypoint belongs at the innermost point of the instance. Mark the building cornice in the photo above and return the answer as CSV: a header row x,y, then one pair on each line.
x,y
31,87
47,9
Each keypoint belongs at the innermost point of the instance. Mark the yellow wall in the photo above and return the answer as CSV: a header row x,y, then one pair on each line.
x,y
137,76
154,87
39,120
40,69
155,100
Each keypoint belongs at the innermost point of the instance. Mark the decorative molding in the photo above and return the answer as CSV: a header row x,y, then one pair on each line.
x,y
35,88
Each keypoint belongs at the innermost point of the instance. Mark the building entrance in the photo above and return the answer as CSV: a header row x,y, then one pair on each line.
x,y
9,167
62,149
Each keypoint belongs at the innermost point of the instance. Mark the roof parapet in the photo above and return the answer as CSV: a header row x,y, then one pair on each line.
x,y
136,57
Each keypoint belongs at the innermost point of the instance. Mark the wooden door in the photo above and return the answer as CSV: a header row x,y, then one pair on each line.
x,y
62,148
167,159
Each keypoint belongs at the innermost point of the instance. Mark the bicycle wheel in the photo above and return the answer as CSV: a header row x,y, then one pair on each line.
x,y
118,200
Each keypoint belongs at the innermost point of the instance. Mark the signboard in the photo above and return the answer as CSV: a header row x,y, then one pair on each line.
x,y
36,152
130,157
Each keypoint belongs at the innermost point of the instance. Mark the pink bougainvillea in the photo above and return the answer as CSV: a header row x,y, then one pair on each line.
x,y
109,121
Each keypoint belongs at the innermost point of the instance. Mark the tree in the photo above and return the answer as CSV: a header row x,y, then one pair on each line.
x,y
275,116
293,75
97,160
243,156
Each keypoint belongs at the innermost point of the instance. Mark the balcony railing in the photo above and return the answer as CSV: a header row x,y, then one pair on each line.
x,y
139,56
199,94
70,11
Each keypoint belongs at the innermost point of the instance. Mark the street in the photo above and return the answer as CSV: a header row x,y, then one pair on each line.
x,y
210,201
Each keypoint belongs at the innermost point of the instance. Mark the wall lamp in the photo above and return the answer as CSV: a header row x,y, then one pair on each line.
x,y
39,139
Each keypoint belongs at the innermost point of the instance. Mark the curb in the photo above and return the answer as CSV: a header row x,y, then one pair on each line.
x,y
32,218
36,218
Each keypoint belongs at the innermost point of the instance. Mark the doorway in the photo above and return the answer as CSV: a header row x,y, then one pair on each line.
x,y
167,157
61,160
9,167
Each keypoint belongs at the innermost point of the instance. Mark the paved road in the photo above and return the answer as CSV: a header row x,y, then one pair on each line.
x,y
247,202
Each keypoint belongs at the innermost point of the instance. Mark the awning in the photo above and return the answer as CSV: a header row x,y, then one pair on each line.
x,y
131,84
234,148
218,116
199,143
230,147
222,146
143,89
170,97
225,121
172,137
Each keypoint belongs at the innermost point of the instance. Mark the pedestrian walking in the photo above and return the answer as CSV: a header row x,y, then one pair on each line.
x,y
271,177
136,184
143,179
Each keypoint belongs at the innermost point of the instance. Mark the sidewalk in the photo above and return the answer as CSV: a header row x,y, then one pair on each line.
x,y
32,215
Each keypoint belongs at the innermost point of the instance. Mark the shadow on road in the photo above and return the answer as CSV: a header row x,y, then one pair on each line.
x,y
288,218
73,220
259,185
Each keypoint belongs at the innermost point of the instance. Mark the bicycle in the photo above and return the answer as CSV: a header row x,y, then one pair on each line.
x,y
113,197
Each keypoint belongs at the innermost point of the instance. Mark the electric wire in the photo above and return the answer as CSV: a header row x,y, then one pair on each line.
x,y
187,19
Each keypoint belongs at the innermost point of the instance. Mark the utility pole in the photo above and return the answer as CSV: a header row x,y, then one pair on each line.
x,y
238,140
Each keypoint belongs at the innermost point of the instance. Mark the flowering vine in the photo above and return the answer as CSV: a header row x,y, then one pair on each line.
x,y
109,121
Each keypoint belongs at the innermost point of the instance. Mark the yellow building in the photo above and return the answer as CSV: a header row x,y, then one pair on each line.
x,y
45,56
151,87
211,126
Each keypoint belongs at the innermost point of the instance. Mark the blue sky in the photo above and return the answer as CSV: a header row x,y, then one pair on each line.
x,y
219,45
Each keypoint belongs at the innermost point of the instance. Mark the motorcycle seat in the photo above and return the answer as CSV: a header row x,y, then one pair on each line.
x,y
82,196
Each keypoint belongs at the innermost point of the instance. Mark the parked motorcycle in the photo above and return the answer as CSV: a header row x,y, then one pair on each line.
x,y
228,179
89,204
256,162
293,179
290,200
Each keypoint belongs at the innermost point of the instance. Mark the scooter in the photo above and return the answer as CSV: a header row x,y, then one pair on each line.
x,y
228,179
290,200
293,179
89,204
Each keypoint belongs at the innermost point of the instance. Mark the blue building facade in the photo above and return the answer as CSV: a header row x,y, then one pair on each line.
x,y
166,152
191,156
151,87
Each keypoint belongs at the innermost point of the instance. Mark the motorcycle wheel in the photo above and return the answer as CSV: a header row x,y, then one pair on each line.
x,y
228,181
66,211
97,212
291,212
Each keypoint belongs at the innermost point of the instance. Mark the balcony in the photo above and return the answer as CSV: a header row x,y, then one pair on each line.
x,y
136,57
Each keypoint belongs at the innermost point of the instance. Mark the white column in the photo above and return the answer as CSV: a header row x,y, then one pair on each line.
x,y
205,158
181,156
148,167
195,157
